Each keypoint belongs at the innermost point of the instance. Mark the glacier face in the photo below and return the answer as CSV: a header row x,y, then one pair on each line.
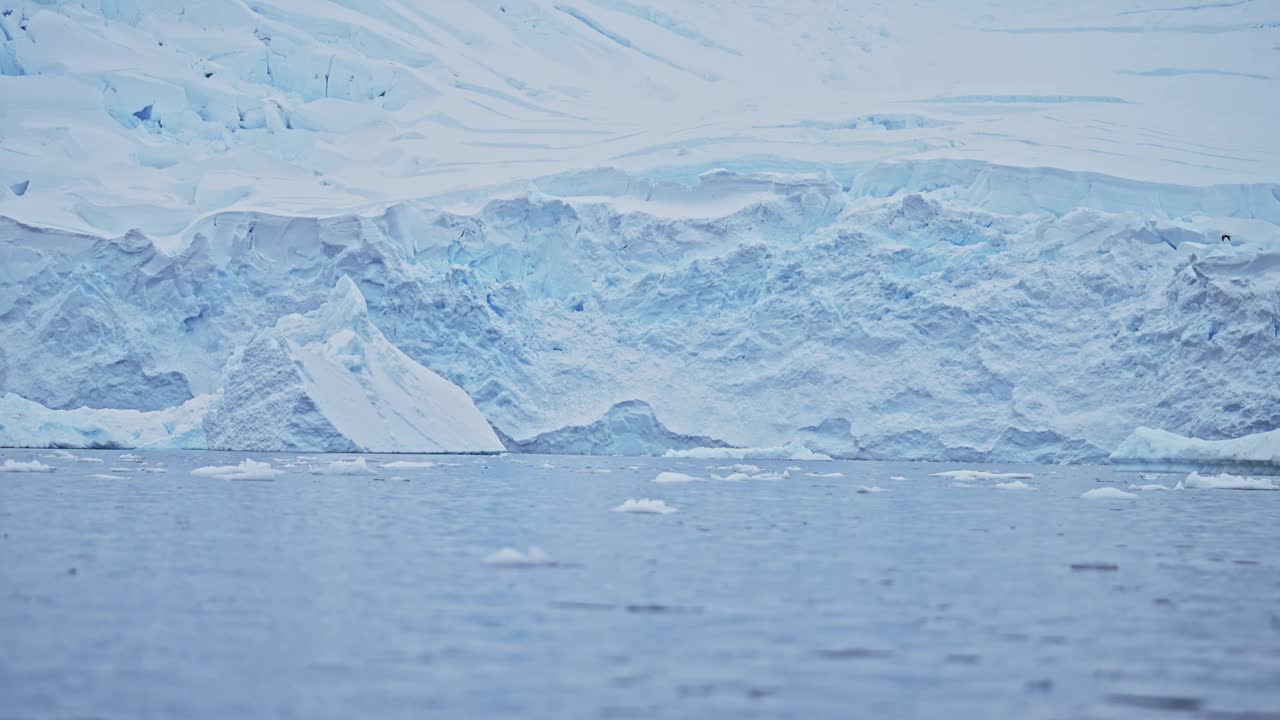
x,y
915,324
935,230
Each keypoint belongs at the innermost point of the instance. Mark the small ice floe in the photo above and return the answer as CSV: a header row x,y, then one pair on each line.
x,y
89,459
1151,477
409,465
784,475
60,455
247,470
154,470
959,484
742,468
548,466
731,477
971,475
674,477
397,478
865,490
129,457
825,475
513,558
345,467
32,466
1014,485
1149,488
899,478
1108,493
103,476
122,470
643,506
1224,481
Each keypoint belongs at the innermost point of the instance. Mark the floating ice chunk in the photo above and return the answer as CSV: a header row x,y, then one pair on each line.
x,y
548,466
1150,445
959,484
1149,488
247,470
122,470
825,475
740,468
1228,482
790,451
154,470
1179,486
130,457
674,477
784,475
1108,494
33,466
62,455
644,506
103,476
865,490
511,557
972,475
89,460
731,477
897,477
344,467
1151,477
409,465
1014,485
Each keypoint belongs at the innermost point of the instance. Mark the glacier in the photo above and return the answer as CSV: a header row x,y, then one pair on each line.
x,y
1148,446
919,233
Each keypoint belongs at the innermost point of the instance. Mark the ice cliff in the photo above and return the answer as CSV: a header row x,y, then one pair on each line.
x,y
916,230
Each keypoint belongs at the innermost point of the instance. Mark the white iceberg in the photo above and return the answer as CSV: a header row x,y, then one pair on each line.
x,y
1150,487
1196,481
674,477
868,490
510,557
1108,494
30,466
1151,446
972,475
249,469
1014,485
354,466
644,506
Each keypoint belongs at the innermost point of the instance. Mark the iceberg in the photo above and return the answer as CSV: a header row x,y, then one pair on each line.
x,y
1225,481
644,506
1148,446
248,469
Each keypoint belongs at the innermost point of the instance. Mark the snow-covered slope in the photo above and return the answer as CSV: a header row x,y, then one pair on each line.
x,y
943,230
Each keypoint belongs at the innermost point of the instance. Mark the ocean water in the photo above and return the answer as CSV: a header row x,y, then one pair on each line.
x,y
166,595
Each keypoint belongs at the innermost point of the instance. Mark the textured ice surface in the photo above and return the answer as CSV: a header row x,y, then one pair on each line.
x,y
330,380
610,221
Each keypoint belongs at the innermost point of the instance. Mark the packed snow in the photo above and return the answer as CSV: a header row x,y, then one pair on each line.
x,y
1196,481
248,469
644,506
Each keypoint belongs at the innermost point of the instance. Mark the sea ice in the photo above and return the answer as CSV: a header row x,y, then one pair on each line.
x,y
247,470
972,475
644,506
32,466
674,477
1108,494
356,466
510,557
1014,485
409,465
1224,481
